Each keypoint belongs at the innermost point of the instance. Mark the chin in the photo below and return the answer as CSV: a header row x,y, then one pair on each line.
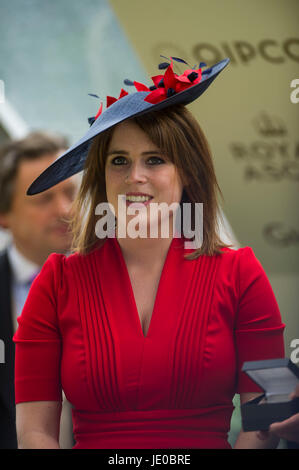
x,y
62,246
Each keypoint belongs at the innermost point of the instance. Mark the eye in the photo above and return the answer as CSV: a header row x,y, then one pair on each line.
x,y
70,193
118,161
42,199
155,161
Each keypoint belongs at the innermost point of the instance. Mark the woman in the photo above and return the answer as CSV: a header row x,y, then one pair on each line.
x,y
145,336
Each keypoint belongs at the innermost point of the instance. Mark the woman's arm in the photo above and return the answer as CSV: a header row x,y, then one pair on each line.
x,y
250,440
38,339
38,424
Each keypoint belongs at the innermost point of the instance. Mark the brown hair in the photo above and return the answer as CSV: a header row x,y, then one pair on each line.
x,y
178,135
35,145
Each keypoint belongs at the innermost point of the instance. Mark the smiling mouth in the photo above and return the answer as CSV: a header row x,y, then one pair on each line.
x,y
62,229
139,198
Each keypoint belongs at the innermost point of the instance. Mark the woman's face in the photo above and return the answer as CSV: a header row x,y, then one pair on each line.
x,y
137,169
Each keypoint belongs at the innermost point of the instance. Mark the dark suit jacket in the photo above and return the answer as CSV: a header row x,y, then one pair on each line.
x,y
8,438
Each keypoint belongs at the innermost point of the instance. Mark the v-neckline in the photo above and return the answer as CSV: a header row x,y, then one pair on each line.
x,y
136,317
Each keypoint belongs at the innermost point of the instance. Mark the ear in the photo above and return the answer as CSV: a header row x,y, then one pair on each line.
x,y
4,220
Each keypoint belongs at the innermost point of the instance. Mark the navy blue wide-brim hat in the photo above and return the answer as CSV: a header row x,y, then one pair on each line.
x,y
170,90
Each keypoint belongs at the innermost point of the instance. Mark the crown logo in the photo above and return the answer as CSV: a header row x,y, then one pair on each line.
x,y
269,126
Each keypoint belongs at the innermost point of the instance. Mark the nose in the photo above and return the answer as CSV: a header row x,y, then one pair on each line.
x,y
136,173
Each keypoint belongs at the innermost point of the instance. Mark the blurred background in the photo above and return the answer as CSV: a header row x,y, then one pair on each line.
x,y
53,53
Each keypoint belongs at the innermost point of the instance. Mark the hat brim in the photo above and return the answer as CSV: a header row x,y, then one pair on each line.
x,y
72,161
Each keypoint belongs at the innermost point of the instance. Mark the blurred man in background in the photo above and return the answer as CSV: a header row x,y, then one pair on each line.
x,y
39,225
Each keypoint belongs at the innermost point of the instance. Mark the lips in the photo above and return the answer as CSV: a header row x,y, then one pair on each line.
x,y
142,198
61,229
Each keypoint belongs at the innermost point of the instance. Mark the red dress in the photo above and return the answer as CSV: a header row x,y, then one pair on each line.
x,y
80,331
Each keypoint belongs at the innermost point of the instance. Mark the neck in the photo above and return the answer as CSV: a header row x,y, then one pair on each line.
x,y
144,251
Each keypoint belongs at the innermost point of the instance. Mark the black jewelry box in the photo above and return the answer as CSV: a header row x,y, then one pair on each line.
x,y
278,378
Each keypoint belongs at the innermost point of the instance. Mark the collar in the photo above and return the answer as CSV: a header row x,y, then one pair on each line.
x,y
23,269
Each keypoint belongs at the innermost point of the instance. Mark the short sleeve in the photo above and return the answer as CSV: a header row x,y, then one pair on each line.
x,y
258,328
37,339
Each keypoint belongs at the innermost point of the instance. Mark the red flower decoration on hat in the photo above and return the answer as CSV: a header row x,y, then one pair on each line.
x,y
99,112
170,83
110,101
164,85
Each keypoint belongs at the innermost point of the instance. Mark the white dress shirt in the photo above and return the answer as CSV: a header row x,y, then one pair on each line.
x,y
23,273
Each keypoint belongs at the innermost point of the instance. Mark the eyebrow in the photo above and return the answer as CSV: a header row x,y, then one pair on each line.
x,y
123,152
